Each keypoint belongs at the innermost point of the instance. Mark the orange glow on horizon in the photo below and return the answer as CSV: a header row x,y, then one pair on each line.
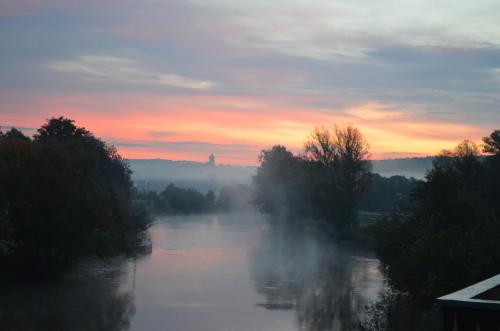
x,y
237,128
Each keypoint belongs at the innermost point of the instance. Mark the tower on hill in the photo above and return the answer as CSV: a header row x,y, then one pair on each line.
x,y
211,160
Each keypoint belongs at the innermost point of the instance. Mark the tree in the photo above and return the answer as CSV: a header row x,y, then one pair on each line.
x,y
353,170
444,240
280,183
272,177
492,143
322,147
343,154
327,182
448,237
13,133
61,129
385,194
492,164
65,195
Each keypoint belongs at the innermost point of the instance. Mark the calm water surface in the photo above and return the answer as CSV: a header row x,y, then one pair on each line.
x,y
210,273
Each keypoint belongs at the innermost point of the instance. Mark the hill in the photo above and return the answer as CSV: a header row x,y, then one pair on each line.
x,y
156,174
416,167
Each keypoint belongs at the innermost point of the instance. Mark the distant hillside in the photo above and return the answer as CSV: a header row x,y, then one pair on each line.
x,y
416,167
157,173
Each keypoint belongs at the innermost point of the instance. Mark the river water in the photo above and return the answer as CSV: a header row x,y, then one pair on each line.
x,y
229,272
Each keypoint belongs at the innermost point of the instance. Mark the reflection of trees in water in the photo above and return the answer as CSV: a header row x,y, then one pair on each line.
x,y
90,298
326,286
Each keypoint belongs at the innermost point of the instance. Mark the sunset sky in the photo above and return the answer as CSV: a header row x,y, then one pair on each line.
x,y
182,79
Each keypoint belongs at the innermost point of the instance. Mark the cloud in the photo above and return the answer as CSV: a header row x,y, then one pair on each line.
x,y
17,8
182,145
121,70
237,128
496,74
372,111
414,76
189,150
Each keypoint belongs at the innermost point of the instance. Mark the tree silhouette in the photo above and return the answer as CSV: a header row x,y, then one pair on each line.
x,y
61,129
492,143
343,153
64,195
13,133
447,238
322,147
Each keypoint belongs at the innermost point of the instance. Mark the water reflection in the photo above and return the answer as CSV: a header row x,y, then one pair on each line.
x,y
206,273
326,285
90,298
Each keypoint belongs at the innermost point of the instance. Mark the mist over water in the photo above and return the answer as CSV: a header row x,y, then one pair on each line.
x,y
326,285
207,272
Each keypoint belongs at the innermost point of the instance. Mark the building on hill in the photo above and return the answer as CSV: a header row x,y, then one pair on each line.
x,y
211,160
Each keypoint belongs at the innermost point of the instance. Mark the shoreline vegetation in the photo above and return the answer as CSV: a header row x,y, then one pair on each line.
x,y
174,200
444,239
439,236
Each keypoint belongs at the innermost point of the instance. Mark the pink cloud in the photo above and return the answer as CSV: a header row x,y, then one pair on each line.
x,y
218,123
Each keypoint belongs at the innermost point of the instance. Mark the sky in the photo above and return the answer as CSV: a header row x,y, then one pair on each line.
x,y
182,79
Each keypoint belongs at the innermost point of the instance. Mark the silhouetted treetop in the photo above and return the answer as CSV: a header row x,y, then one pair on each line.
x,y
60,129
13,133
352,146
466,149
338,144
275,154
321,146
492,143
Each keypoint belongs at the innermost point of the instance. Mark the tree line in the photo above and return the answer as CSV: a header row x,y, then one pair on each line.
x,y
446,238
434,236
176,200
64,195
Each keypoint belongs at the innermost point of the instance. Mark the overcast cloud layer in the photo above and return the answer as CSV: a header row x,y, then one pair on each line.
x,y
182,79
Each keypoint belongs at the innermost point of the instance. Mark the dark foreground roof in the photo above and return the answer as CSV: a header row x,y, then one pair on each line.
x,y
482,295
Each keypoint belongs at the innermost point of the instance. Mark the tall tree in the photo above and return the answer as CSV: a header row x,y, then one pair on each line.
x,y
280,183
343,153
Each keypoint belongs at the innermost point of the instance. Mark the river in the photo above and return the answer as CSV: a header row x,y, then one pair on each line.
x,y
230,272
